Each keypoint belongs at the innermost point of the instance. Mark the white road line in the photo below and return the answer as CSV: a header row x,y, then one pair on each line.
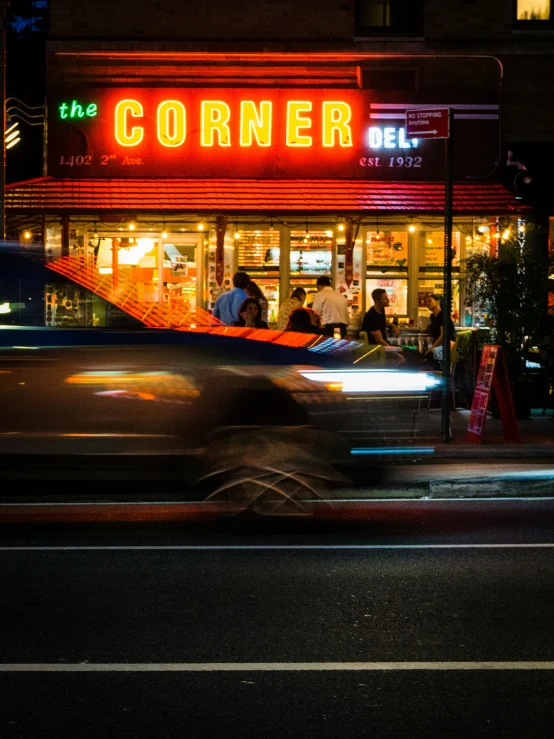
x,y
320,502
261,547
272,666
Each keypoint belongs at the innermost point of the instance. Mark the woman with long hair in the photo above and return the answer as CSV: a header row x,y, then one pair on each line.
x,y
255,291
250,314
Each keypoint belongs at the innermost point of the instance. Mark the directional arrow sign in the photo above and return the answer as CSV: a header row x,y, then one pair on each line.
x,y
427,124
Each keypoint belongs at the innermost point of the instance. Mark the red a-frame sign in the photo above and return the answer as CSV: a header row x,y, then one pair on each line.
x,y
492,375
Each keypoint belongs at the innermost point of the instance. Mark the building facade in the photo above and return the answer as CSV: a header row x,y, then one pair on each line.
x,y
186,142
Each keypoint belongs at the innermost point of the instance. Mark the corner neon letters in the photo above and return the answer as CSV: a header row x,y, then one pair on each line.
x,y
297,123
255,123
214,118
336,120
172,123
220,125
123,135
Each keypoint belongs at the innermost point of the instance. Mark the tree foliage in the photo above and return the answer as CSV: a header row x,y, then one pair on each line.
x,y
510,285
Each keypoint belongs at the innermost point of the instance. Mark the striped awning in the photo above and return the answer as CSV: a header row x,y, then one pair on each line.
x,y
47,195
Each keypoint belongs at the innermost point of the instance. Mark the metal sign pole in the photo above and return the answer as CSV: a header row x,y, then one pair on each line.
x,y
447,302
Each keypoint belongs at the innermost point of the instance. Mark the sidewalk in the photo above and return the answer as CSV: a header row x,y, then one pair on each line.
x,y
537,439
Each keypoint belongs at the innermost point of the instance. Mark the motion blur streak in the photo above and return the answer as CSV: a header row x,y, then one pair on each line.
x,y
374,381
395,450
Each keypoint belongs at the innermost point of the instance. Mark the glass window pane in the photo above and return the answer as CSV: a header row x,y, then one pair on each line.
x,y
397,290
374,13
387,249
435,286
258,254
533,10
431,249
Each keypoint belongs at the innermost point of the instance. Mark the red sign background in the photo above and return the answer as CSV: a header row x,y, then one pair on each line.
x,y
83,147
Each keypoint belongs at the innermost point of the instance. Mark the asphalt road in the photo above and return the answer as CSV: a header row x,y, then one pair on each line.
x,y
410,627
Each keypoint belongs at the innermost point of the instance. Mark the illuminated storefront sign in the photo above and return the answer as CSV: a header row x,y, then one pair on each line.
x,y
277,133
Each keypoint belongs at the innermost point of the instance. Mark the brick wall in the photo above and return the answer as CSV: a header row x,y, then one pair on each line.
x,y
463,19
183,19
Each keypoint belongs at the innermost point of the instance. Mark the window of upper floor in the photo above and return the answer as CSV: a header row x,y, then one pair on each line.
x,y
536,12
389,18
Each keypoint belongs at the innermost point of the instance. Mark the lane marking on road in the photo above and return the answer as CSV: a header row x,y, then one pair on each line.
x,y
327,501
272,666
261,547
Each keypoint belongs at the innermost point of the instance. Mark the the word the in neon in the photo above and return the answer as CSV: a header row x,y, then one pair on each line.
x,y
390,138
76,110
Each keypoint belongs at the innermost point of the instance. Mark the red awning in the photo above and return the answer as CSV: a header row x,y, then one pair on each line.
x,y
53,196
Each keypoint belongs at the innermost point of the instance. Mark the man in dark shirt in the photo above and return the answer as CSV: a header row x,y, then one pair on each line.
x,y
436,327
375,321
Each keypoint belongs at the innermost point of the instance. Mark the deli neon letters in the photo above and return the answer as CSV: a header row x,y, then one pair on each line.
x,y
251,125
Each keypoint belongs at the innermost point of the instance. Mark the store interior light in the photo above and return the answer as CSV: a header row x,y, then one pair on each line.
x,y
200,227
506,234
329,234
105,270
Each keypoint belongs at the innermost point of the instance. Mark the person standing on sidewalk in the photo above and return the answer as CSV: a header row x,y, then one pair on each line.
x,y
375,322
331,306
228,304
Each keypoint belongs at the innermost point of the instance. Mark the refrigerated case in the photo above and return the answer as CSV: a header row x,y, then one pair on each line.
x,y
258,253
311,256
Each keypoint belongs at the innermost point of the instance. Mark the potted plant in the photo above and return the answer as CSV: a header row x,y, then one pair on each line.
x,y
509,283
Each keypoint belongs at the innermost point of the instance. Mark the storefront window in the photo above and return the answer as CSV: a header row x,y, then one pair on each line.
x,y
387,249
397,290
435,286
311,255
258,253
533,10
431,249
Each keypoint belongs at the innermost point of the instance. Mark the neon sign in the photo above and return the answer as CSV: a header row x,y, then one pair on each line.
x,y
249,133
76,110
255,123
389,138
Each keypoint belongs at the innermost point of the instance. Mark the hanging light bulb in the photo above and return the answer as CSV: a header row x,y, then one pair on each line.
x,y
131,240
341,226
131,226
411,228
164,234
200,227
28,235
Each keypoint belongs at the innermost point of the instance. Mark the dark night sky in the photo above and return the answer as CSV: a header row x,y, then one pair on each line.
x,y
25,77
